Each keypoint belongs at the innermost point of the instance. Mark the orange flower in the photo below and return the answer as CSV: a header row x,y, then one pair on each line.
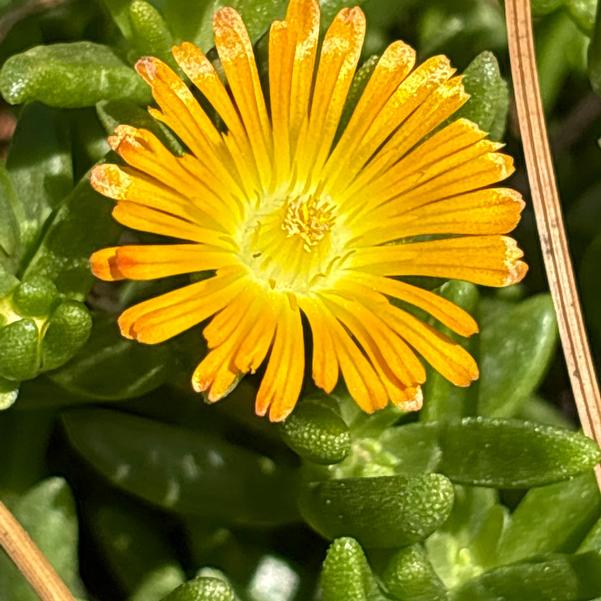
x,y
290,216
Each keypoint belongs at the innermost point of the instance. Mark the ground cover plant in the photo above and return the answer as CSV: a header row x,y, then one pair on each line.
x,y
132,485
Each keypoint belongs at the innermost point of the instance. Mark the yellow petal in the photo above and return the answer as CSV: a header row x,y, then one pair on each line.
x,y
486,260
325,364
302,19
436,108
145,219
238,61
148,262
281,62
104,265
489,211
167,315
338,60
386,351
283,379
440,308
412,92
394,65
448,358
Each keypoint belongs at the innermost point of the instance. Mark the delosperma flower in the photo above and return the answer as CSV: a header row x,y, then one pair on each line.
x,y
293,216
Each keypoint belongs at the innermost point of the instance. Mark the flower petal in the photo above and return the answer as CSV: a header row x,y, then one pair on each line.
x,y
167,315
486,260
338,60
489,211
393,67
325,364
448,358
283,379
448,313
238,61
145,219
149,262
104,265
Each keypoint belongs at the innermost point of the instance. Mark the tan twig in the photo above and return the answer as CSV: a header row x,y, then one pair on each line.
x,y
30,560
547,209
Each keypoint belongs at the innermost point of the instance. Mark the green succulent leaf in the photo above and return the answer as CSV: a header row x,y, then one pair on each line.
x,y
483,451
409,576
516,347
317,433
388,511
19,354
489,96
202,589
70,75
40,167
110,367
150,33
181,470
47,512
137,554
67,331
559,577
346,575
35,297
568,510
82,224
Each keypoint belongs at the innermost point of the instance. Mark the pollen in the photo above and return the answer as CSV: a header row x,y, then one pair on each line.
x,y
309,218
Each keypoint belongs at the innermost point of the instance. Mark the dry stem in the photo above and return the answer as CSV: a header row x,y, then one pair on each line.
x,y
547,209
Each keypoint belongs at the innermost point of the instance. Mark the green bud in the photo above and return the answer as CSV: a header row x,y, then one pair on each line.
x,y
410,576
19,350
388,511
35,297
202,589
346,575
68,330
317,433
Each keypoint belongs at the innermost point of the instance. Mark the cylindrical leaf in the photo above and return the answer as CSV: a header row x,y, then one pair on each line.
x,y
111,367
378,512
150,33
567,510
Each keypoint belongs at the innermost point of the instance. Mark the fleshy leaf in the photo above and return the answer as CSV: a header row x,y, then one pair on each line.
x,y
181,470
70,75
379,512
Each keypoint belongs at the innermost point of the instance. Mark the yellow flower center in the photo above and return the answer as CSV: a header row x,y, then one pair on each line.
x,y
292,245
309,218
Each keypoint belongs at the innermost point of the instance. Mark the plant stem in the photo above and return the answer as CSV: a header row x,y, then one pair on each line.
x,y
549,219
29,559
